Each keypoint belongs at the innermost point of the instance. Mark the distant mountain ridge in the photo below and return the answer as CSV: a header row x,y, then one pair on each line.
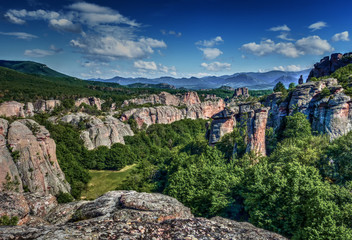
x,y
252,80
30,67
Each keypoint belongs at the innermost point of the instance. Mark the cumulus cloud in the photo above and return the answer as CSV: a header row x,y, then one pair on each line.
x,y
309,45
317,25
289,68
211,53
216,66
145,65
280,28
105,34
210,43
20,35
341,37
65,25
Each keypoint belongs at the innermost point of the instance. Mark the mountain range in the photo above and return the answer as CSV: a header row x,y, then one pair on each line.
x,y
252,80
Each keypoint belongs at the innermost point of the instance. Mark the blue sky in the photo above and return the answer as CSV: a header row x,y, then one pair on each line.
x,y
180,38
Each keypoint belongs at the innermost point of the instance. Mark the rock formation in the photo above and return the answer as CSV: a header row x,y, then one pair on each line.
x,y
12,108
300,80
91,101
30,161
46,105
327,65
16,109
127,215
330,115
243,92
169,114
165,98
256,127
98,131
223,123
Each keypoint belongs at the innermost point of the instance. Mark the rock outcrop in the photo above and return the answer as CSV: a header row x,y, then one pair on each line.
x,y
165,98
98,131
169,114
241,92
16,109
327,65
328,114
91,101
132,215
32,163
223,123
256,126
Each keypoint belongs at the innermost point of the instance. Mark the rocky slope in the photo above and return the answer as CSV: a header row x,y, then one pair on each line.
x,y
328,114
121,215
165,98
169,114
327,65
28,159
98,132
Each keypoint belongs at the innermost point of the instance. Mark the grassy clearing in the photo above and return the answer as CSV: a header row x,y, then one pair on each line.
x,y
103,181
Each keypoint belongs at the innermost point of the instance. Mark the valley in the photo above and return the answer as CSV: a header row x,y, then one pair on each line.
x,y
167,157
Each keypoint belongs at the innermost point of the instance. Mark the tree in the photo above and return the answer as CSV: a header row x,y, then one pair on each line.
x,y
279,87
297,126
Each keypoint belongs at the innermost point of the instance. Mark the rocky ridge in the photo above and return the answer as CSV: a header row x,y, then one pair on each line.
x,y
28,159
98,131
124,215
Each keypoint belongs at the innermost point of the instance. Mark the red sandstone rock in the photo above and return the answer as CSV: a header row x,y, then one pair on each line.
x,y
256,131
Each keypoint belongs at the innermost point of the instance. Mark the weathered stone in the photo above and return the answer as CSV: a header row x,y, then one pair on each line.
x,y
14,204
300,80
99,132
256,127
37,163
91,101
46,105
12,109
223,123
40,205
243,92
327,65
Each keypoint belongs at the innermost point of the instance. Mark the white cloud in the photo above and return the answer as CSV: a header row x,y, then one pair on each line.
x,y
94,14
19,16
314,45
211,53
111,47
216,66
145,65
341,37
289,68
210,43
280,28
65,25
199,75
284,36
41,52
317,25
20,35
309,45
171,32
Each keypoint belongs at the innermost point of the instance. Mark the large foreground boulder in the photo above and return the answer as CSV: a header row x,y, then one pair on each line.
x,y
133,215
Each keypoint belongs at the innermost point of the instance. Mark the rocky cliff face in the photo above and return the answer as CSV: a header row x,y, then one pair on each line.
x,y
16,109
327,65
241,92
99,131
169,114
330,114
165,98
123,215
91,101
256,126
28,159
223,123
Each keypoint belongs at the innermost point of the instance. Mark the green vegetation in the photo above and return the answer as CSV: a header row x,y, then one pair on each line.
x,y
7,221
64,197
103,181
